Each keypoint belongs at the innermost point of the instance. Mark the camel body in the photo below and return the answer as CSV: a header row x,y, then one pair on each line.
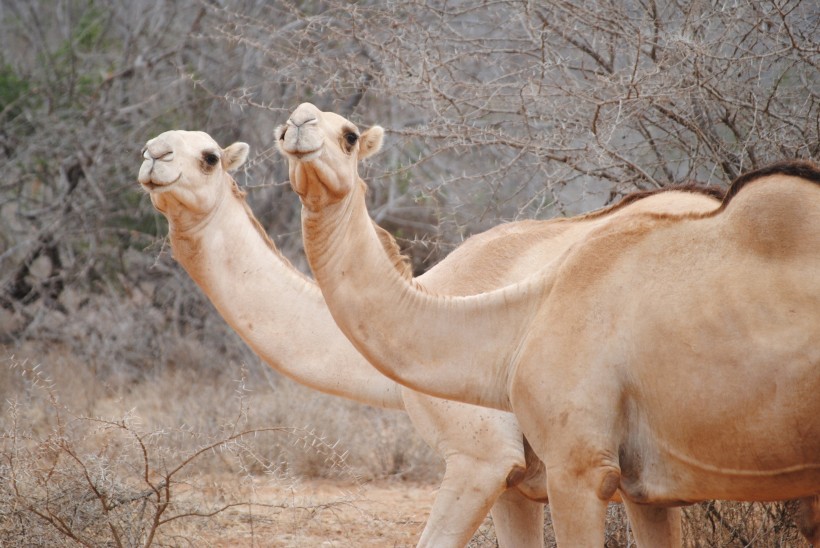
x,y
734,298
726,406
673,357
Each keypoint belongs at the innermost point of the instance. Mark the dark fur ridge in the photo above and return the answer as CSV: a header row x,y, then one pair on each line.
x,y
713,191
790,168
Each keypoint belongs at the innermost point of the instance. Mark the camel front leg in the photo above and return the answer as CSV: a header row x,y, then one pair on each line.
x,y
807,519
578,512
654,526
468,490
518,520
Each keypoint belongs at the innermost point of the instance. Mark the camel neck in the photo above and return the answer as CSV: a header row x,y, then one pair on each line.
x,y
458,348
276,310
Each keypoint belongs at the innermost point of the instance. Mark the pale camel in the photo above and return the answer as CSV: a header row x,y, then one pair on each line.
x,y
673,357
281,315
217,240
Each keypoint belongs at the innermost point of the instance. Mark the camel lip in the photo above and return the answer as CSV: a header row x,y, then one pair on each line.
x,y
305,155
154,187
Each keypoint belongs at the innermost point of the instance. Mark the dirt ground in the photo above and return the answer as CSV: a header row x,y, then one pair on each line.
x,y
385,513
313,513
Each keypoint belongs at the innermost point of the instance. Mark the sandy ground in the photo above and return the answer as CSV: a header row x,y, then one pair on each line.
x,y
312,513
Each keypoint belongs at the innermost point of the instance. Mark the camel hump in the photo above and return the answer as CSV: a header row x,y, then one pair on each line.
x,y
775,210
802,169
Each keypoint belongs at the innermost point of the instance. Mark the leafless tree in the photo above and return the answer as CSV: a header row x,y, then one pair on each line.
x,y
506,109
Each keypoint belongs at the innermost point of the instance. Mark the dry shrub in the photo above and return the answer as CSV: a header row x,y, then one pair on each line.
x,y
85,419
94,481
740,524
377,443
98,438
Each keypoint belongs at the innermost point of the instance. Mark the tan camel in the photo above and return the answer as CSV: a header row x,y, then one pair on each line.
x,y
217,240
673,357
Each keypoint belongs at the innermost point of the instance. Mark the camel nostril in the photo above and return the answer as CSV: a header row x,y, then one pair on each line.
x,y
158,154
300,123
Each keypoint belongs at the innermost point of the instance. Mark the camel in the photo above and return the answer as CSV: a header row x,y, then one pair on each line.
x,y
216,238
673,358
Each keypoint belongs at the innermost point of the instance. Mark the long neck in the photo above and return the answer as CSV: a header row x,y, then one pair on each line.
x,y
458,348
276,310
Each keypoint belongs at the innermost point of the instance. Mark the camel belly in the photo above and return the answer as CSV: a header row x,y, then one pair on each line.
x,y
732,411
725,463
687,484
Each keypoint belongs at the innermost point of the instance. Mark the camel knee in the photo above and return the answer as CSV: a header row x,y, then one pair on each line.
x,y
516,476
608,485
600,482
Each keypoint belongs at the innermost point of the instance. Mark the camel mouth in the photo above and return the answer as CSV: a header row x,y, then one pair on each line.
x,y
304,155
156,187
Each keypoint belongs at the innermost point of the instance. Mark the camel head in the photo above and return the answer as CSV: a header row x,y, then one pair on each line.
x,y
323,150
186,174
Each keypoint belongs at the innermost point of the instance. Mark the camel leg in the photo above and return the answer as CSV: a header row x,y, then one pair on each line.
x,y
518,520
807,519
654,526
467,492
578,513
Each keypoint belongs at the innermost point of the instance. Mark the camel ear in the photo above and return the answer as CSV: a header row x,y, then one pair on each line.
x,y
235,155
370,142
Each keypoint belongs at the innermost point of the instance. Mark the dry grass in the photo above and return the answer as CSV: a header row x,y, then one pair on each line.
x,y
138,466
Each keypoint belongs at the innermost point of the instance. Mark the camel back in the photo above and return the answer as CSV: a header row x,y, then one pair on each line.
x,y
633,197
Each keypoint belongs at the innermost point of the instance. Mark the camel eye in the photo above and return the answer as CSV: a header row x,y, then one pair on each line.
x,y
351,138
210,158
